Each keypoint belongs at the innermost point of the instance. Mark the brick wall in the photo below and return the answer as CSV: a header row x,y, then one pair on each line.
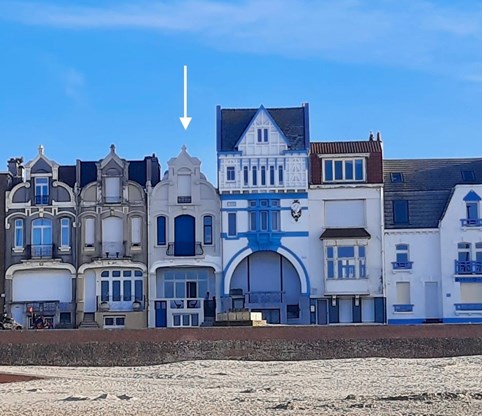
x,y
151,346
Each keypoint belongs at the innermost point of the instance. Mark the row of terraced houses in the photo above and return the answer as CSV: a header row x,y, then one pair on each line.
x,y
304,232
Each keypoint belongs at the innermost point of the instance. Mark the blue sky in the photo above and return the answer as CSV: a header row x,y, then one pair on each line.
x,y
78,76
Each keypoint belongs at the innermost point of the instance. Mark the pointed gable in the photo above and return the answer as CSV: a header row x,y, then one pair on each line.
x,y
472,197
292,124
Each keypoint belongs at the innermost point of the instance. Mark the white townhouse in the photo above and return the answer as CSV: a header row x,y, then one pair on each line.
x,y
433,240
263,186
184,248
346,232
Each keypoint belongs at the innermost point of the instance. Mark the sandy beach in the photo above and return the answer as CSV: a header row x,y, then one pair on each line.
x,y
374,386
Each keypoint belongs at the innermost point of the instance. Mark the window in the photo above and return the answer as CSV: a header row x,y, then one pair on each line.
x,y
292,311
280,175
255,176
136,231
345,262
18,233
263,175
468,175
463,252
117,286
64,232
89,232
231,224
339,170
41,191
263,135
161,231
271,175
403,293
402,257
188,283
396,177
400,212
114,321
112,190
42,237
275,223
246,176
208,229
253,225
478,253
472,210
183,189
230,173
263,215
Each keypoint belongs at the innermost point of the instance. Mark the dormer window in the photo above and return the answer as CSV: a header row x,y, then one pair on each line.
x,y
263,135
472,216
468,175
396,177
112,189
344,170
41,191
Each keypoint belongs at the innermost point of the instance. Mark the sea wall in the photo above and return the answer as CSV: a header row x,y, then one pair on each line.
x,y
158,346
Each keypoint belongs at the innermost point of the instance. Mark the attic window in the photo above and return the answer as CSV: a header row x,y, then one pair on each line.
x,y
468,175
263,135
396,177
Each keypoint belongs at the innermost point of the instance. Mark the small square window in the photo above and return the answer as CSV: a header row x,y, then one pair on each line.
x,y
396,177
468,176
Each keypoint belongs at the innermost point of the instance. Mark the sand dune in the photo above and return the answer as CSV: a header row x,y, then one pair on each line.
x,y
447,386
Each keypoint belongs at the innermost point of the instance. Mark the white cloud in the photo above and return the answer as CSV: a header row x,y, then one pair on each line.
x,y
73,82
421,34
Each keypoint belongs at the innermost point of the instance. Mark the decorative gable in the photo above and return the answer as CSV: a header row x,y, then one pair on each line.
x,y
472,197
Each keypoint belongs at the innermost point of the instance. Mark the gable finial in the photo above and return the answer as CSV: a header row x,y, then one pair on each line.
x,y
41,150
112,148
379,136
183,148
371,136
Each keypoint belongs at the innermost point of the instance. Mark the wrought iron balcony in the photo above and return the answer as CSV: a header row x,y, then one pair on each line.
x,y
41,199
120,303
471,222
40,251
181,249
468,267
402,265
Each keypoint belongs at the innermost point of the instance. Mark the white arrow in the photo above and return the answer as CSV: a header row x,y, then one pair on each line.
x,y
185,120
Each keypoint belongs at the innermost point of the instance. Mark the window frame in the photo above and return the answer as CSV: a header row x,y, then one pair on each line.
x,y
405,216
42,190
207,241
230,173
65,227
19,226
163,242
332,175
355,265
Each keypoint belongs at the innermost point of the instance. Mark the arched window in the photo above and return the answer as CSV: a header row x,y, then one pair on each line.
x,y
161,231
41,238
208,229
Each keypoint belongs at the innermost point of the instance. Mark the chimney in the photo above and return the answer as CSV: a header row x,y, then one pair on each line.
x,y
379,136
15,167
371,136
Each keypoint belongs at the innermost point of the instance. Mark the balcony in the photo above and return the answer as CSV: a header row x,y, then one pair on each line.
x,y
181,249
471,222
41,199
403,308
120,303
468,267
402,265
40,251
113,249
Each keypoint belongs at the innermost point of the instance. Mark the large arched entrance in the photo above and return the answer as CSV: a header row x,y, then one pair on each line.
x,y
267,282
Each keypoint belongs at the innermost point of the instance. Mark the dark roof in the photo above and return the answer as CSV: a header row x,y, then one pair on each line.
x,y
427,186
366,146
88,173
331,233
293,122
67,175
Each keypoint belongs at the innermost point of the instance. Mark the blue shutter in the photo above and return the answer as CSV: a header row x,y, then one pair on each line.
x,y
333,312
380,310
357,317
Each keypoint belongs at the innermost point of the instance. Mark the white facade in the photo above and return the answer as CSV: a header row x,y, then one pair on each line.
x,y
184,246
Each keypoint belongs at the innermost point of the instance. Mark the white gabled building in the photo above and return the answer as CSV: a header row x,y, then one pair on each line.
x,y
184,246
263,185
346,232
433,240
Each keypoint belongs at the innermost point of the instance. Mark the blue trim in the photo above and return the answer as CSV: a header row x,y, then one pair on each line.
x,y
468,279
468,306
281,234
265,195
467,320
472,197
414,321
307,277
473,222
230,152
260,109
402,265
403,308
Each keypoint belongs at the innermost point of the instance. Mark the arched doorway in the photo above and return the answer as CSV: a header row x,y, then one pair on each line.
x,y
270,284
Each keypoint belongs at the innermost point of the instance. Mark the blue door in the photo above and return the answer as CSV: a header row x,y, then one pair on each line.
x,y
184,236
161,314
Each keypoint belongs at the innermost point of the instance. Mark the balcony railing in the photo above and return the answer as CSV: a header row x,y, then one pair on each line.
x,y
468,306
181,249
40,251
41,199
265,297
113,249
403,308
402,265
120,303
468,267
183,199
471,222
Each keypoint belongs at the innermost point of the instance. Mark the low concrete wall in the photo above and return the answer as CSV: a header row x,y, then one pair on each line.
x,y
157,346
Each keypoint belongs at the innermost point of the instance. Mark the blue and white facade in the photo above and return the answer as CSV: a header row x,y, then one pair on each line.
x,y
433,241
263,186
